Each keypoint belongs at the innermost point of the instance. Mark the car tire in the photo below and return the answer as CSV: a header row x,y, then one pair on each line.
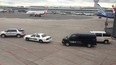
x,y
3,35
27,39
18,36
106,41
67,44
40,41
89,45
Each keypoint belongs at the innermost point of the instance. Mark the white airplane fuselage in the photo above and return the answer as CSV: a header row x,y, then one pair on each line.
x,y
37,13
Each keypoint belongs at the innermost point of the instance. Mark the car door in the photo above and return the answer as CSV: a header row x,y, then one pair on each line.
x,y
106,36
33,37
37,38
11,32
99,37
72,39
80,39
8,32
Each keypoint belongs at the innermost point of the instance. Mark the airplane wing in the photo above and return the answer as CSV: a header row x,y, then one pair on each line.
x,y
101,12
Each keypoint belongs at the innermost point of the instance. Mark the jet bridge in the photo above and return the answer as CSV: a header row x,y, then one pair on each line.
x,y
114,27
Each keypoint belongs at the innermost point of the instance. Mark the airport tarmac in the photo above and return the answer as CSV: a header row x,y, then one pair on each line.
x,y
45,17
17,51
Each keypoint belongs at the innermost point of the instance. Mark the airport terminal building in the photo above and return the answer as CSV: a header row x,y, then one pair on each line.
x,y
54,10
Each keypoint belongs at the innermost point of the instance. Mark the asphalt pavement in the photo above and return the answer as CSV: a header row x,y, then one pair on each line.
x,y
17,51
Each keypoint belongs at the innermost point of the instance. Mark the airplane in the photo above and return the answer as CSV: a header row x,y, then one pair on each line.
x,y
102,13
37,13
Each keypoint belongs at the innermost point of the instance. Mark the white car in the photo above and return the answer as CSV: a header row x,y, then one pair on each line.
x,y
102,36
18,32
39,37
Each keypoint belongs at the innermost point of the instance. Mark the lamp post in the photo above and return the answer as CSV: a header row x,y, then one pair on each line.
x,y
114,26
106,23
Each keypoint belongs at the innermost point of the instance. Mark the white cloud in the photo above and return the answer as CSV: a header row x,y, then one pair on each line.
x,y
54,2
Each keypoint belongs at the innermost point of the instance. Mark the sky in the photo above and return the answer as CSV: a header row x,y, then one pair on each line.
x,y
79,3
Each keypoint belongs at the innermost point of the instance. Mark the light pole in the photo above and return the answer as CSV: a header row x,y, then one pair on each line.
x,y
114,27
106,23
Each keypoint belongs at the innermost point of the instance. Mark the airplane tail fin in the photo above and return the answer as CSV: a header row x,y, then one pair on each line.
x,y
100,10
46,10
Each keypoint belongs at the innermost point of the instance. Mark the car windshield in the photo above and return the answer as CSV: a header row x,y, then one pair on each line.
x,y
43,35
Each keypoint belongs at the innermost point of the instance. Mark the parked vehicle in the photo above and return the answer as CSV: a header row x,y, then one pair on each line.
x,y
18,32
88,40
39,37
102,36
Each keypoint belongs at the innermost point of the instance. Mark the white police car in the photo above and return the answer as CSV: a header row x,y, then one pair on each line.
x,y
39,37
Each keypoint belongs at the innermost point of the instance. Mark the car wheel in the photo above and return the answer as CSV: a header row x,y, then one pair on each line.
x,y
67,44
89,45
18,36
106,41
40,41
27,39
3,35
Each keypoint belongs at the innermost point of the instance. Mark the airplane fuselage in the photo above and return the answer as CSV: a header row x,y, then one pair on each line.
x,y
108,14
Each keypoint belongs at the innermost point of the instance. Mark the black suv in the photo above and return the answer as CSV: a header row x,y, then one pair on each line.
x,y
88,40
